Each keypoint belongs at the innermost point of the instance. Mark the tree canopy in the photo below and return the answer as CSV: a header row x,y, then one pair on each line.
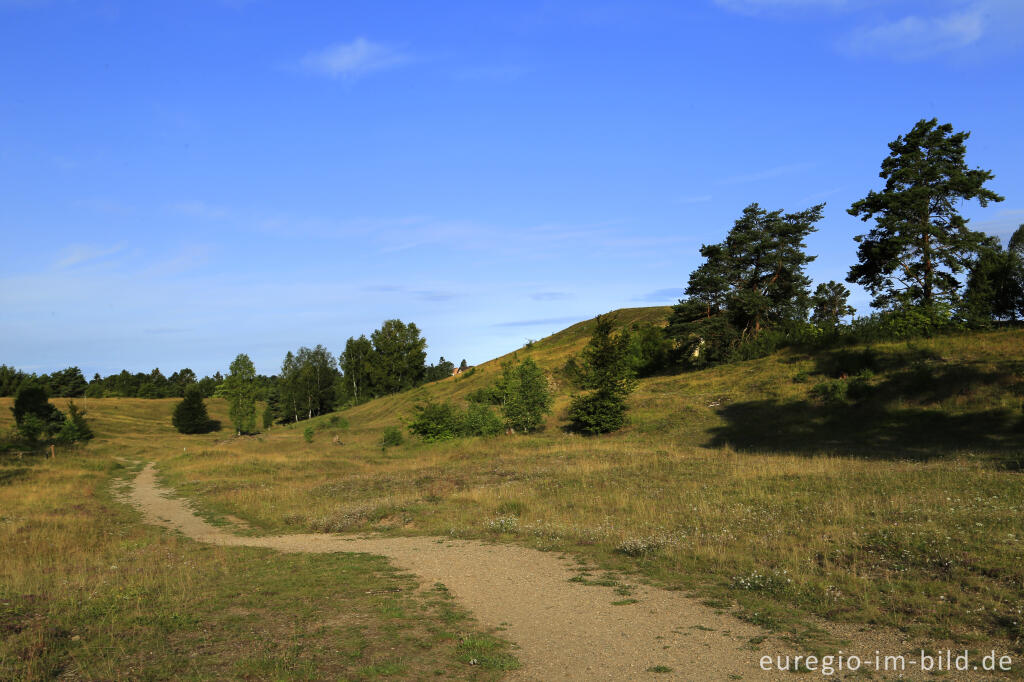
x,y
751,281
920,243
240,390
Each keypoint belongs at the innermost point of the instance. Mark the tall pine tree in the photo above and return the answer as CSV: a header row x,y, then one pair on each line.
x,y
920,242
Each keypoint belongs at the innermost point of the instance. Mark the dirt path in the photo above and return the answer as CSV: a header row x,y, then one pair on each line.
x,y
565,630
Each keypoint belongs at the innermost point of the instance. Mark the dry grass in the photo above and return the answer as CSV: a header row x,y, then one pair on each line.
x,y
89,592
901,507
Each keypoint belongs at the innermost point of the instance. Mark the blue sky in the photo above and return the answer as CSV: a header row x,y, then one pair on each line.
x,y
184,181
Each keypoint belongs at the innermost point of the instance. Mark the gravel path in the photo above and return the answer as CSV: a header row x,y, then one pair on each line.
x,y
564,630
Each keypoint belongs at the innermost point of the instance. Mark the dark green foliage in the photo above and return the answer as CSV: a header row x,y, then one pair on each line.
x,y
920,242
442,370
604,370
240,390
34,416
435,421
525,396
829,305
399,357
487,395
268,416
648,349
190,414
356,363
752,281
392,437
75,428
995,287
597,412
306,386
68,383
480,420
11,380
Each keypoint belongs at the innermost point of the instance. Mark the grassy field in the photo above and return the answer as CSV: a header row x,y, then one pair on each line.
x,y
874,485
89,592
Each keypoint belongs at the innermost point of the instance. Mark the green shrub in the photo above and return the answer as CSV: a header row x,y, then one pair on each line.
x,y
307,433
488,395
268,416
436,421
525,397
34,415
392,437
598,412
832,392
75,428
480,420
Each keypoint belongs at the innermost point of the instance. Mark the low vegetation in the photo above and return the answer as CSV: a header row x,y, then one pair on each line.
x,y
893,498
87,591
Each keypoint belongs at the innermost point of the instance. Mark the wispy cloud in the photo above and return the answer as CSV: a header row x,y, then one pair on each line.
x,y
669,295
354,59
77,254
916,37
537,323
1003,225
770,173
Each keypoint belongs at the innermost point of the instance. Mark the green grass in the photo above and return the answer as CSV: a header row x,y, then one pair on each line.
x,y
88,591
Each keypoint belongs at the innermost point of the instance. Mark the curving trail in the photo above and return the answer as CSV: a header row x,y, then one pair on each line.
x,y
564,630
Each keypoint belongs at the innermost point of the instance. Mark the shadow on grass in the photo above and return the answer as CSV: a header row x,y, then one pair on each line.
x,y
917,410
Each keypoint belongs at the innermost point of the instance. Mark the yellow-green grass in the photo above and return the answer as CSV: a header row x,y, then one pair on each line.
x,y
89,591
901,506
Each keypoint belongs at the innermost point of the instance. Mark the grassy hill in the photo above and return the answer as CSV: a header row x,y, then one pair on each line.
x,y
869,484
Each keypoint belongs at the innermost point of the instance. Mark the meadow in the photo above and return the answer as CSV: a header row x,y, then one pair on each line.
x,y
868,485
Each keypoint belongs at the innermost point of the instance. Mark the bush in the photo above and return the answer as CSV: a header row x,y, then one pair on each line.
x,y
392,437
525,398
480,420
444,421
488,395
598,412
307,434
75,428
435,421
34,415
268,416
190,414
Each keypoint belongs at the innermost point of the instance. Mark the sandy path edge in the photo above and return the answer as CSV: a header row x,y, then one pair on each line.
x,y
564,630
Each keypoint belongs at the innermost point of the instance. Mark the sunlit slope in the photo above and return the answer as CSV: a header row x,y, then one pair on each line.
x,y
908,399
550,353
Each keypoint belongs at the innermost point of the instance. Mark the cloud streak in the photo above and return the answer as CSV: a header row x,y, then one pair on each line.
x,y
353,60
916,37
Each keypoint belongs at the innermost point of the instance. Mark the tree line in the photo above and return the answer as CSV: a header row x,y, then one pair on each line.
x,y
925,269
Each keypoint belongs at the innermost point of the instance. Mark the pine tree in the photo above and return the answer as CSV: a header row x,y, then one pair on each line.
x,y
829,305
920,242
751,281
604,370
190,414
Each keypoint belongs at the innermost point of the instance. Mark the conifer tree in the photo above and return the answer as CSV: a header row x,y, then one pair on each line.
x,y
190,414
920,243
